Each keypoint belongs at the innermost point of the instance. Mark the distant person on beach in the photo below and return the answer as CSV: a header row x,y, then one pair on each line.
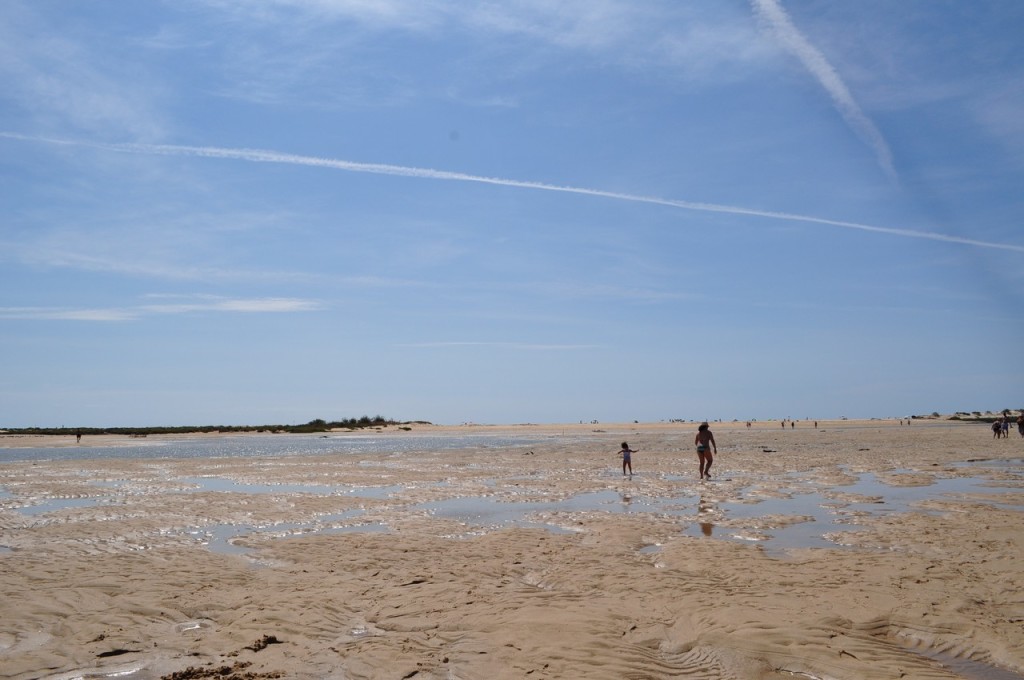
x,y
1020,424
705,442
1006,426
997,430
78,437
627,461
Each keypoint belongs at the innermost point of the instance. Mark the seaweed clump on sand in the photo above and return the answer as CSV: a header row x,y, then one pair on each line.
x,y
234,672
237,671
264,642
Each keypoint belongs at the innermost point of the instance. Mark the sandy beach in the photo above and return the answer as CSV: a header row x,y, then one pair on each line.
x,y
369,566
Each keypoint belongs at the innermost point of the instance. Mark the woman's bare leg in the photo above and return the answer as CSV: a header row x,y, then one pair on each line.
x,y
705,462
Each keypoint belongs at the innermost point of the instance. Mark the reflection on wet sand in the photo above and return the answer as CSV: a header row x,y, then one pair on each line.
x,y
705,509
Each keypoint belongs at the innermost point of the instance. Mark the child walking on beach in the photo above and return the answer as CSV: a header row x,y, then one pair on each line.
x,y
705,441
627,461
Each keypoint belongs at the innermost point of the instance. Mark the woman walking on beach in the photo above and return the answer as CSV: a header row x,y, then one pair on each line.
x,y
705,442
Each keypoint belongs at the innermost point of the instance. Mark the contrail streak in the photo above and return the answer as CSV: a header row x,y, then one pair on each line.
x,y
264,156
815,62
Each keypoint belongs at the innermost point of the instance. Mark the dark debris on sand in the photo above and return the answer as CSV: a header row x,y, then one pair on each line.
x,y
264,642
237,671
233,672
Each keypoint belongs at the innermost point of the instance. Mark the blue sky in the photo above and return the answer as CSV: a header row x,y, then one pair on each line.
x,y
242,212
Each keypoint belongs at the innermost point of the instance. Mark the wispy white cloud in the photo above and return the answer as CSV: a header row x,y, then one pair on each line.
x,y
253,305
283,52
411,14
680,40
264,156
576,24
100,256
772,13
56,78
499,345
203,304
132,253
63,314
999,112
572,290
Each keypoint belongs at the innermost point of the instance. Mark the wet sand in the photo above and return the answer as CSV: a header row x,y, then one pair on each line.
x,y
106,566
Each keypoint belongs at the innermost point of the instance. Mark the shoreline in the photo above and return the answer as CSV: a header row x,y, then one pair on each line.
x,y
551,429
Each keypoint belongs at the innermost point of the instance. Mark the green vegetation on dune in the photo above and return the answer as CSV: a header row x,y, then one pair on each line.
x,y
988,416
317,425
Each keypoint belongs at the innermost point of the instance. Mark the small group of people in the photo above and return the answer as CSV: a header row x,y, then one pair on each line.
x,y
707,449
1001,427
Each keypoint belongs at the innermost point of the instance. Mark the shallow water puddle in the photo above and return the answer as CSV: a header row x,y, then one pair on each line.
x,y
974,670
491,511
805,519
900,498
966,668
268,445
215,484
224,485
132,671
478,511
220,538
992,462
221,484
56,504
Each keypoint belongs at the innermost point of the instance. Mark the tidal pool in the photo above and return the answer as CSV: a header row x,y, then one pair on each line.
x,y
802,513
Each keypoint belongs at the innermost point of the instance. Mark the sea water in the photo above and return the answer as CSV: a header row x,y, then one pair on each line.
x,y
255,445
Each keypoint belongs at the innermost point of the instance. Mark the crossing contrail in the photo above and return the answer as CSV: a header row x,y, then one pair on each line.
x,y
265,156
819,67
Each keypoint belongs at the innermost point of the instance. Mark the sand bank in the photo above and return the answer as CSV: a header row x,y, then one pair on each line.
x,y
336,580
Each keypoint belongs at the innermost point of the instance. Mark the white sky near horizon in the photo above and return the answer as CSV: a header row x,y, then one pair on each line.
x,y
256,212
